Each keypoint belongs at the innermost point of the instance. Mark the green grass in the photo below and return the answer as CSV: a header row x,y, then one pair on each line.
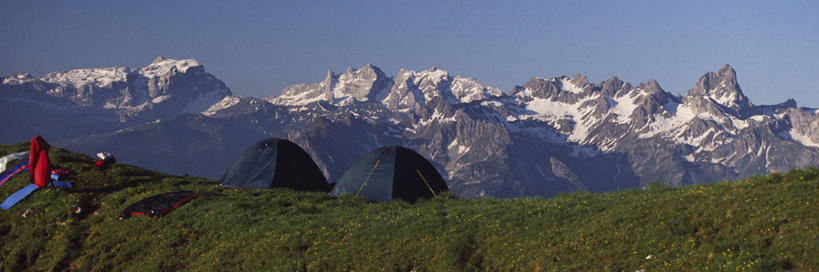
x,y
763,223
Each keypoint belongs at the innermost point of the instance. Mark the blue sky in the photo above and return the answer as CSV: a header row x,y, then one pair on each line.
x,y
257,48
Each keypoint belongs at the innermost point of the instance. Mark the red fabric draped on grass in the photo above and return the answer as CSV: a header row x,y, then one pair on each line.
x,y
38,162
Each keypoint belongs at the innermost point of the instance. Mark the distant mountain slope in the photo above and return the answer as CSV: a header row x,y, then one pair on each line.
x,y
78,102
547,136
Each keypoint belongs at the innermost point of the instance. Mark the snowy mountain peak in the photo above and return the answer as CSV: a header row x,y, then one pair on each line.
x,y
539,88
724,77
329,76
405,94
18,78
434,74
104,77
409,90
577,85
162,66
580,81
467,89
159,59
728,71
354,85
413,89
364,84
722,88
166,85
562,88
651,86
614,86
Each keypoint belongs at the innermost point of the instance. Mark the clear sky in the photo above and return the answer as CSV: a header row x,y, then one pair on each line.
x,y
257,48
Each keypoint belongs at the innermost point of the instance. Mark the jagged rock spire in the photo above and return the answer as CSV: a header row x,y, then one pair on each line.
x,y
722,88
159,59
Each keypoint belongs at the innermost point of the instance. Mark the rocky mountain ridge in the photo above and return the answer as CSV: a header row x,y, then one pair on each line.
x,y
166,86
711,133
547,136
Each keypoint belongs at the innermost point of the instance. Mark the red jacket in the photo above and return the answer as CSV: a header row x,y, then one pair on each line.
x,y
38,162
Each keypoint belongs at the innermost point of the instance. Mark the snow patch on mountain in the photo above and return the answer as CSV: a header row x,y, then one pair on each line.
x,y
437,116
799,137
227,102
567,85
100,77
724,98
624,106
202,102
459,148
682,115
759,118
302,98
738,124
549,110
160,98
699,140
18,78
492,103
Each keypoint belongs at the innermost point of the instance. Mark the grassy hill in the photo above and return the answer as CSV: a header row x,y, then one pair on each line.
x,y
763,223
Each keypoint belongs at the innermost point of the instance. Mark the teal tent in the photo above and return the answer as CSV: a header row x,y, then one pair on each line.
x,y
388,173
275,163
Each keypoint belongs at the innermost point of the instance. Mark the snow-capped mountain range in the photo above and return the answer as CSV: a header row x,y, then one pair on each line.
x,y
547,136
181,86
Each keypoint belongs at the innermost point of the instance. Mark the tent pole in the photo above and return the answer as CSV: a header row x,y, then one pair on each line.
x,y
425,182
368,178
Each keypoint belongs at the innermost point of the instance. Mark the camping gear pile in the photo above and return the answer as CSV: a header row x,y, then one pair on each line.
x,y
105,160
41,174
58,177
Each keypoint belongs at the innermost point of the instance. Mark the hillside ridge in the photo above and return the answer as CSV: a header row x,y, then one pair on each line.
x,y
761,223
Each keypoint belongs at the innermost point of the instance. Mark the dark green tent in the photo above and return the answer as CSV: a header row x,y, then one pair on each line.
x,y
391,172
275,163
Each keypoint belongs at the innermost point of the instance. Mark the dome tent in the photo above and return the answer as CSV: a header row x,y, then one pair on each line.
x,y
391,172
273,163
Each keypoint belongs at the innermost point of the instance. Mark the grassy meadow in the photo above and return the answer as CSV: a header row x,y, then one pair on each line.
x,y
762,223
